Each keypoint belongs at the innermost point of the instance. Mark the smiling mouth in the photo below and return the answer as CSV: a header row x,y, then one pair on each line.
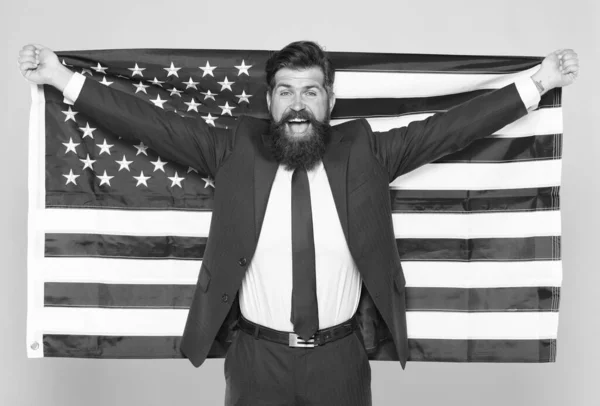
x,y
298,126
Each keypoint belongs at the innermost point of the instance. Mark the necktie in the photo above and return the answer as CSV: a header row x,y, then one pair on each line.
x,y
305,316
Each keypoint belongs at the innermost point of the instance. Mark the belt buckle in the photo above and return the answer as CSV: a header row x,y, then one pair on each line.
x,y
296,341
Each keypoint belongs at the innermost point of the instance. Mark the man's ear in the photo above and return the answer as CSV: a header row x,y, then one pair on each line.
x,y
269,99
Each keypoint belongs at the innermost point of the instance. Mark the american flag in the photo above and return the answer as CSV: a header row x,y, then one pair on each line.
x,y
117,232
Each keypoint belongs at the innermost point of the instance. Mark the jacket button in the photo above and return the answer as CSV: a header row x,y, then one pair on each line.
x,y
225,298
242,261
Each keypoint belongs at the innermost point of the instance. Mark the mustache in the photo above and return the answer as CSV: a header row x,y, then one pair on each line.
x,y
300,115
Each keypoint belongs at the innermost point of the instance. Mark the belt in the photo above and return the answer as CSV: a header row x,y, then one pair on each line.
x,y
321,337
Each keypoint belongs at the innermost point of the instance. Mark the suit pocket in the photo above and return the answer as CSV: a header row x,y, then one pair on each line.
x,y
204,278
361,180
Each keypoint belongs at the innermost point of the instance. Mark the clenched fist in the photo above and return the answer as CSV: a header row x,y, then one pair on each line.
x,y
558,69
40,65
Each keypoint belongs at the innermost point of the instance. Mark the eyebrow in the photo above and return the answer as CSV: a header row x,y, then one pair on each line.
x,y
287,86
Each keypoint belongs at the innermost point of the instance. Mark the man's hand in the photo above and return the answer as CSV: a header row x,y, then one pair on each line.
x,y
558,69
40,65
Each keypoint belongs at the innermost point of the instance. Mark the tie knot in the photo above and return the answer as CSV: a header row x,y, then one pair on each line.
x,y
300,175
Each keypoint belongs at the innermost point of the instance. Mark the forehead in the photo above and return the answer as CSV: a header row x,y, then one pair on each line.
x,y
300,77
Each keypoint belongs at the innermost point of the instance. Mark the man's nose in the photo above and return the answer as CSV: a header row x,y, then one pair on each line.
x,y
297,103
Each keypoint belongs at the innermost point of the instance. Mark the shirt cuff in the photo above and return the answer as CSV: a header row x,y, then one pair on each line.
x,y
73,88
528,92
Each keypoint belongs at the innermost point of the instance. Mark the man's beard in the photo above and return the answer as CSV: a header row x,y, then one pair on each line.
x,y
299,151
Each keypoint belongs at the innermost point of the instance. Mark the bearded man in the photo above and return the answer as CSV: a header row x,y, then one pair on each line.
x,y
292,268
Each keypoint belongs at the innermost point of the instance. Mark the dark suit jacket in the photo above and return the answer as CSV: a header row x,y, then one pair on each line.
x,y
359,163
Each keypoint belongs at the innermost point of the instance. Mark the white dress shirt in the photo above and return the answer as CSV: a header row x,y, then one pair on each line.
x,y
266,292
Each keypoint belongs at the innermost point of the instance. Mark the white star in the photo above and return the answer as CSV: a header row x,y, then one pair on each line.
x,y
226,84
208,70
141,149
208,182
124,164
137,71
87,162
227,109
87,131
172,70
141,180
105,82
176,92
157,82
85,71
190,169
210,119
158,164
192,105
191,83
70,146
209,95
243,68
105,179
100,68
176,180
70,114
104,147
140,87
71,177
243,97
158,101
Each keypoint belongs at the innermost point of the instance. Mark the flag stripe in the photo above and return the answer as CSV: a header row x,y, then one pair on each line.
x,y
417,298
474,274
380,107
157,322
480,274
474,201
410,249
492,150
500,325
482,350
102,346
461,64
112,246
406,225
476,225
482,249
370,84
475,176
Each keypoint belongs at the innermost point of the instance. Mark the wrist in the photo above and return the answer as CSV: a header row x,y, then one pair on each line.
x,y
61,77
541,83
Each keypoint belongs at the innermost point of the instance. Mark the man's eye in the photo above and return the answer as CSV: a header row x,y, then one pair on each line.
x,y
285,93
311,93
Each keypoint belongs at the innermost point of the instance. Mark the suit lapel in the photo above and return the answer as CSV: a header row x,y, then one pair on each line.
x,y
265,168
336,166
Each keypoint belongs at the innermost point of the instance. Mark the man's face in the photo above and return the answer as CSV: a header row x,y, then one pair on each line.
x,y
296,96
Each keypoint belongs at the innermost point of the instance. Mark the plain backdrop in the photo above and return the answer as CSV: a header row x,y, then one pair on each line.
x,y
509,27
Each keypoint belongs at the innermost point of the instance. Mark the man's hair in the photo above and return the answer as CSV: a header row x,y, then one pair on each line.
x,y
301,55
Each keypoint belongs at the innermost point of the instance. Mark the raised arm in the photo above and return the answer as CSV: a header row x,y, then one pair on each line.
x,y
402,150
188,141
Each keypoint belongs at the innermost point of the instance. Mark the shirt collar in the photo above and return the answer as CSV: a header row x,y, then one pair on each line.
x,y
312,173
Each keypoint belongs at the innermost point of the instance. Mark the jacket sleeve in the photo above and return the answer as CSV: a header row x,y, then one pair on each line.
x,y
401,150
187,141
